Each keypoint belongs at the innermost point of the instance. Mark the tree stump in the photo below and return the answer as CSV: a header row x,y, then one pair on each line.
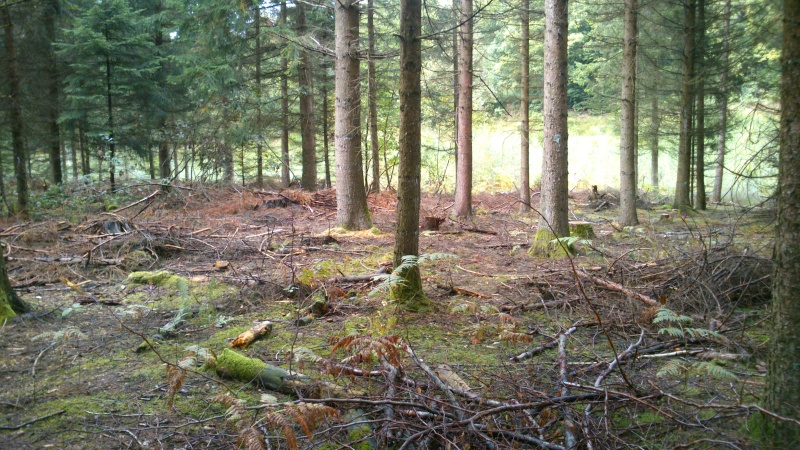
x,y
581,229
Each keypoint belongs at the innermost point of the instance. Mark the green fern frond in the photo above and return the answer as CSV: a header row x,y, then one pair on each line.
x,y
714,369
672,368
702,332
672,331
667,315
465,307
489,309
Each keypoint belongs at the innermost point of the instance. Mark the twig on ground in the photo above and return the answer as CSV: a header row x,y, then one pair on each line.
x,y
32,421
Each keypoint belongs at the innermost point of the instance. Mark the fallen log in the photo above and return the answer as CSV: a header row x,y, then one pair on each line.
x,y
255,333
234,365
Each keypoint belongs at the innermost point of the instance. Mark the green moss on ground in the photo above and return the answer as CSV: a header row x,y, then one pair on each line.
x,y
161,278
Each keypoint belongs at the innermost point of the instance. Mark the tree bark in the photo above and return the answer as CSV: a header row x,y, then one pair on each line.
x,y
682,191
409,294
373,101
352,212
259,99
86,157
151,165
326,136
524,106
655,129
74,153
716,193
15,110
456,21
463,200
54,145
783,373
112,145
627,151
700,130
285,173
553,202
308,179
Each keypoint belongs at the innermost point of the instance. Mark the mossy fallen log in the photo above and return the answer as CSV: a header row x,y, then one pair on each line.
x,y
231,364
234,365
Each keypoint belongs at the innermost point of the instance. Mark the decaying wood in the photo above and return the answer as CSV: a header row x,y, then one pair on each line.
x,y
620,288
230,364
469,293
255,333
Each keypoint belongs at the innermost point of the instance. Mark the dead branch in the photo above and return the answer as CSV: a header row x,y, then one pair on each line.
x,y
38,419
536,350
362,278
619,288
149,197
569,423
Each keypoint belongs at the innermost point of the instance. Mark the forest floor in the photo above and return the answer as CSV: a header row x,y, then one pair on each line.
x,y
516,352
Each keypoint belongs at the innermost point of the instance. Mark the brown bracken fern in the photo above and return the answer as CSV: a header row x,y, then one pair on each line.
x,y
365,350
307,415
175,377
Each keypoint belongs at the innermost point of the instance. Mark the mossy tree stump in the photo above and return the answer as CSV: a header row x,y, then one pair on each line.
x,y
10,303
581,229
546,245
408,293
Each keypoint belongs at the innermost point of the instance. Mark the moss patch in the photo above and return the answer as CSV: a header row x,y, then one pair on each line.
x,y
160,278
545,245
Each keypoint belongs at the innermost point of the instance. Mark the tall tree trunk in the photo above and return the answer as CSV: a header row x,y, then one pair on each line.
x,y
682,190
3,197
373,100
151,163
700,130
716,193
655,129
457,20
112,145
51,9
228,173
259,99
524,110
74,153
553,203
352,211
783,373
164,158
463,205
406,242
86,157
308,179
285,173
326,136
636,100
15,110
627,150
